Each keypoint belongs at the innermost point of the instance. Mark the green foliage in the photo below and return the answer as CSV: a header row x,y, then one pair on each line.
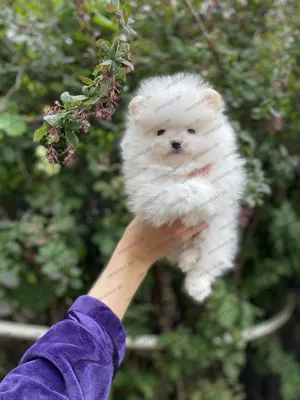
x,y
64,121
284,365
59,224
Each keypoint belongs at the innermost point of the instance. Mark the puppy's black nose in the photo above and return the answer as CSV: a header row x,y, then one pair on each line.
x,y
175,144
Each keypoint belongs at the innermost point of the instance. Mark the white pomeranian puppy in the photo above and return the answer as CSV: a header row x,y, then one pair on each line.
x,y
181,161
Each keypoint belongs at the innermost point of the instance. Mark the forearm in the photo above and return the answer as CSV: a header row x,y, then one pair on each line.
x,y
120,280
78,357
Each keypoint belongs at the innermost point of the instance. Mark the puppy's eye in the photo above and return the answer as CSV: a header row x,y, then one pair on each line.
x,y
161,132
191,131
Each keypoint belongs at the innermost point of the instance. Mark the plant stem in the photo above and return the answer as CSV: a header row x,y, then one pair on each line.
x,y
206,35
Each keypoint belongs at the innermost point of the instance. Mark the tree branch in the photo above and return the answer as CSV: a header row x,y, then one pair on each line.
x,y
164,297
206,35
248,239
16,86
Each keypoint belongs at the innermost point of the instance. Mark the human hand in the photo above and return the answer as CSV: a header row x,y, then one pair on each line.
x,y
140,246
146,244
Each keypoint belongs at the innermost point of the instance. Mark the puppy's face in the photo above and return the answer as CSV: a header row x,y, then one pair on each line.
x,y
171,129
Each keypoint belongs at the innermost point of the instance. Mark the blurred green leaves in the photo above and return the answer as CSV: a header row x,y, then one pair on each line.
x,y
99,96
12,124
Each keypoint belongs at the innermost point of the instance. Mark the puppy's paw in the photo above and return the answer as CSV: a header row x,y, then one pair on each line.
x,y
189,257
197,288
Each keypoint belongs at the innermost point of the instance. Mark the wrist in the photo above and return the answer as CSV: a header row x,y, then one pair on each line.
x,y
131,253
131,258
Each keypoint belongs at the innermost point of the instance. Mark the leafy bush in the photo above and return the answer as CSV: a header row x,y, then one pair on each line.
x,y
60,224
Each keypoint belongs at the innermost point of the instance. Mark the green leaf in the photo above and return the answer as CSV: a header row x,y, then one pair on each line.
x,y
34,297
128,29
130,21
121,74
125,16
104,242
114,66
73,125
228,312
53,120
103,90
92,100
111,7
12,124
97,69
65,97
104,22
107,62
10,279
127,63
50,268
92,90
80,97
103,44
115,45
40,133
5,308
88,81
72,138
61,224
85,90
76,283
5,120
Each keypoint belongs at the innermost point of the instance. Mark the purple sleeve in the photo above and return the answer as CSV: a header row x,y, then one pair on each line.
x,y
76,359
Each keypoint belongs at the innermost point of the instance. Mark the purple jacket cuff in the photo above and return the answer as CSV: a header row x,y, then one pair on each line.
x,y
106,318
76,359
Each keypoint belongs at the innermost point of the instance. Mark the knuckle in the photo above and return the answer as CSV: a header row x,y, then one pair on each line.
x,y
184,235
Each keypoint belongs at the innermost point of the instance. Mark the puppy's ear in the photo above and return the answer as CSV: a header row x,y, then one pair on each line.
x,y
136,104
213,99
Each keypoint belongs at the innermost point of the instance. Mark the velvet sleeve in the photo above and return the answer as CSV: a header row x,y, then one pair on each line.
x,y
76,359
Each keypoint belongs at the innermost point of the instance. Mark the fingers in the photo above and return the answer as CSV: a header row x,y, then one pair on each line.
x,y
176,227
181,232
197,229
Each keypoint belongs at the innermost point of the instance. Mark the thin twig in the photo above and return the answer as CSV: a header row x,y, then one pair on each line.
x,y
248,239
3,212
180,392
23,168
164,297
16,86
206,35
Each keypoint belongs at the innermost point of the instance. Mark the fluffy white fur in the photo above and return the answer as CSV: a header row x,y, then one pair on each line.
x,y
156,174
